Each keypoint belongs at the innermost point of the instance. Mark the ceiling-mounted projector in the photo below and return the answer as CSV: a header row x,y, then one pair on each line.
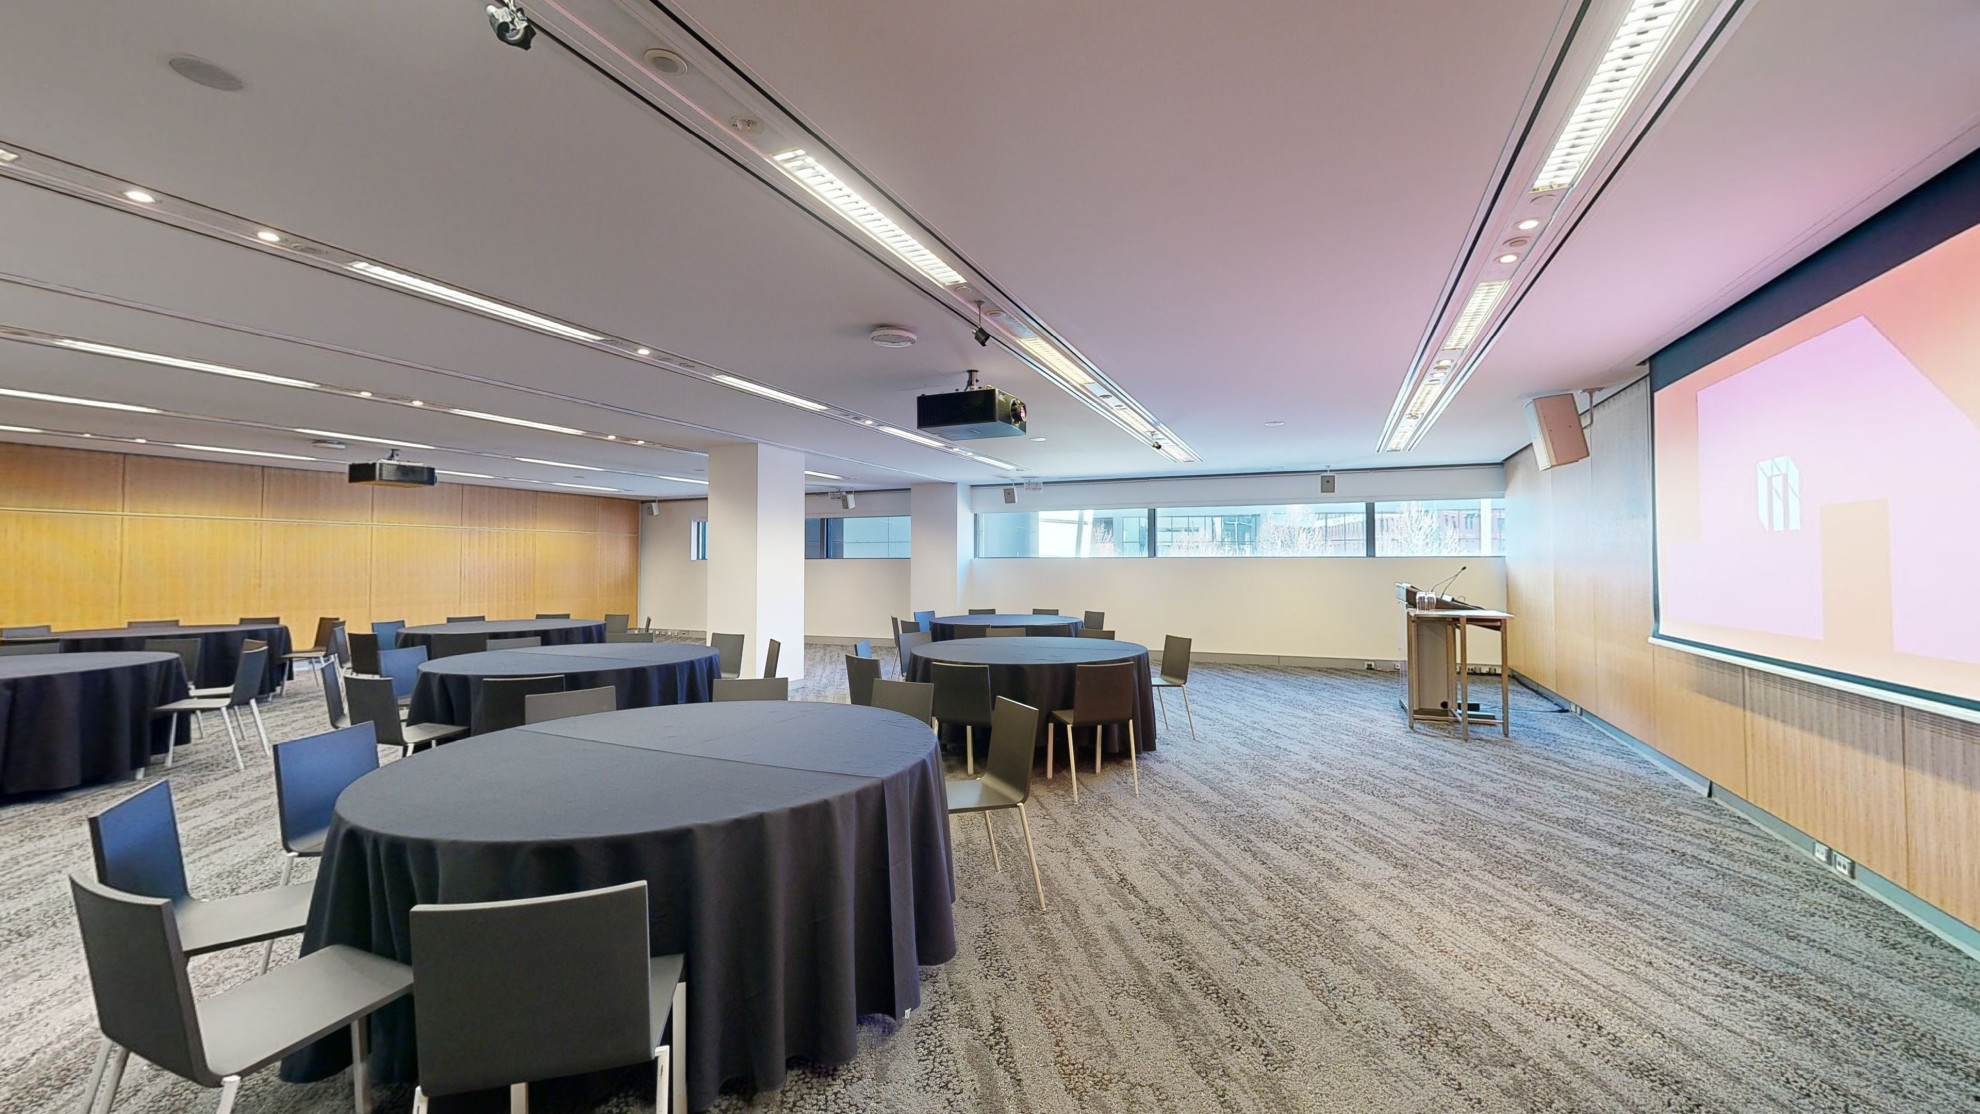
x,y
972,412
393,472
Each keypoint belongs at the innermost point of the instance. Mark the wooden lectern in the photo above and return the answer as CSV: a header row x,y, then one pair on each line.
x,y
1437,661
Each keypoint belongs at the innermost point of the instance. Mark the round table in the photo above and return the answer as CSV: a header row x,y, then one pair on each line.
x,y
1041,672
647,675
553,632
946,627
71,719
219,648
798,853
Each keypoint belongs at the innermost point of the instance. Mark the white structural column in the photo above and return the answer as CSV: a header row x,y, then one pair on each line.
x,y
944,541
756,551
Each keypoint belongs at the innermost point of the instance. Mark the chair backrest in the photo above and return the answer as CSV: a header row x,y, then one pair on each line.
x,y
186,648
516,991
923,618
248,674
311,771
26,632
525,643
1008,632
906,626
982,611
339,645
260,621
1094,632
401,666
962,693
1095,619
771,650
448,645
467,618
553,615
150,624
498,701
1013,740
629,636
323,625
764,688
333,693
1175,660
617,624
364,654
14,649
1104,693
135,843
137,972
861,673
863,648
541,706
372,702
730,647
909,698
909,641
1044,611
387,631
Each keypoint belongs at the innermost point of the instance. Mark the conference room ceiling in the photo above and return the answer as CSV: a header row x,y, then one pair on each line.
x,y
1244,214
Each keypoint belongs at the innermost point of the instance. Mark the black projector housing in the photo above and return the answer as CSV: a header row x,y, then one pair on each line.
x,y
393,473
969,414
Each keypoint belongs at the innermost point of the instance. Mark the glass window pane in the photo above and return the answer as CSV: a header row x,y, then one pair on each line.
x,y
698,540
888,536
1441,528
1121,533
815,532
1285,530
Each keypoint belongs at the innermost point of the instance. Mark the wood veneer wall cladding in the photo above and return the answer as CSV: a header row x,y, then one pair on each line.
x,y
1897,791
98,539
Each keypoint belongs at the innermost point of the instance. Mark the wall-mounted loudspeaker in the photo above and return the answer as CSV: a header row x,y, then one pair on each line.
x,y
651,508
1555,424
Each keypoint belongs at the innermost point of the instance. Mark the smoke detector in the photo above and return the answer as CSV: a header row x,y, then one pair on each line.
x,y
665,62
891,336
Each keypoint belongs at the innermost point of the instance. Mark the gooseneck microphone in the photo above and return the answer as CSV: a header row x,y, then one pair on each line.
x,y
1445,585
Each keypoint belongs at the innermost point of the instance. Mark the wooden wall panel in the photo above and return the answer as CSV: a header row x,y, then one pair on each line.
x,y
166,486
575,513
618,573
1832,765
498,508
1530,568
290,493
200,570
1942,792
567,572
617,516
415,574
498,573
64,570
1620,545
32,477
1574,586
309,570
1701,715
439,505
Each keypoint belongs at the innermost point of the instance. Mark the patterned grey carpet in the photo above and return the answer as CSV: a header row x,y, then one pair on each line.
x,y
1307,909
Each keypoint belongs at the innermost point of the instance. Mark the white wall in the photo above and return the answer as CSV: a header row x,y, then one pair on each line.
x,y
854,598
673,590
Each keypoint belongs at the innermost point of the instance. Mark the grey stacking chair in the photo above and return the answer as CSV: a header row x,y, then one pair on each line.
x,y
861,673
498,701
333,695
371,700
771,650
730,647
1007,632
1094,619
901,631
924,618
18,649
908,642
1094,632
629,636
150,624
527,642
983,611
765,688
260,621
539,707
909,698
26,632
364,654
309,774
135,844
401,667
553,615
467,618
1102,695
962,695
863,648
448,645
1044,611
145,1004
245,692
1006,780
511,992
340,647
188,650
617,624
1175,675
317,651
387,631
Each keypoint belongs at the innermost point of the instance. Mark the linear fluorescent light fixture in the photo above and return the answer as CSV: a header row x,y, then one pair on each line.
x,y
505,420
823,475
1058,361
240,452
471,301
1477,309
19,429
72,401
464,475
829,188
683,480
741,384
174,361
366,440
995,463
914,437
561,464
584,487
1646,29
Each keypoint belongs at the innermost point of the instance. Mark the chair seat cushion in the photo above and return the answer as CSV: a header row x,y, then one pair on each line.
x,y
431,732
264,1019
1065,716
1165,683
314,653
250,918
309,845
978,795
201,704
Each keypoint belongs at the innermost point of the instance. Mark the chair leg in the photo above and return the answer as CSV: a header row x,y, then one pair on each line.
x,y
419,1101
1099,735
199,723
172,739
360,1063
518,1098
677,1043
1162,703
230,1089
261,729
96,1075
233,737
1192,715
1072,763
992,833
1051,737
1025,822
268,948
662,1064
1134,765
118,1059
969,749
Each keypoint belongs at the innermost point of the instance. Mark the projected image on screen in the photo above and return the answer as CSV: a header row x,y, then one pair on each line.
x,y
1818,491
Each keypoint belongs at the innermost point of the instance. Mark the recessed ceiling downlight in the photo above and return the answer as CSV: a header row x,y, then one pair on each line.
x,y
666,63
199,71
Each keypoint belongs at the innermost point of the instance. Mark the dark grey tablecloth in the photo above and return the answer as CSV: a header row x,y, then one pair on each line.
x,y
946,627
72,719
219,648
647,675
1040,672
798,853
553,632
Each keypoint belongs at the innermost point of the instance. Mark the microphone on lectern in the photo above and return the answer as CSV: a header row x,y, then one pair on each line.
x,y
1445,585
